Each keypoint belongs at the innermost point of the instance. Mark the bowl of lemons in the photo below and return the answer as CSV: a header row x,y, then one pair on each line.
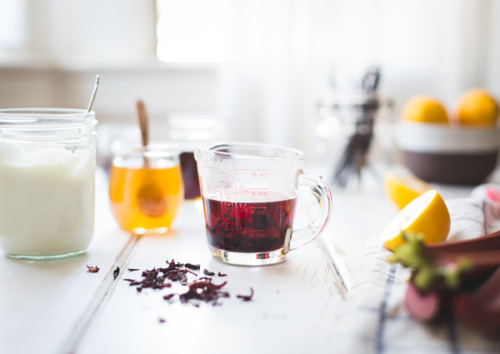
x,y
457,148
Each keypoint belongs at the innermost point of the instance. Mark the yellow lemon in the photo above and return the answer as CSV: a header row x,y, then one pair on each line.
x,y
401,187
424,109
427,215
478,107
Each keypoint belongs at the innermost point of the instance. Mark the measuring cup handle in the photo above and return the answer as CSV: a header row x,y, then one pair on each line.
x,y
319,189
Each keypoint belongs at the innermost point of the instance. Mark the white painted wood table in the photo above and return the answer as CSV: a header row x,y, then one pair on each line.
x,y
60,307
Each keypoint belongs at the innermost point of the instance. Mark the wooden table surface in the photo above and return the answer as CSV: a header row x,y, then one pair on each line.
x,y
59,307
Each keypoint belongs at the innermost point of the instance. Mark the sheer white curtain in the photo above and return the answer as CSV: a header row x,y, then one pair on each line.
x,y
284,51
264,82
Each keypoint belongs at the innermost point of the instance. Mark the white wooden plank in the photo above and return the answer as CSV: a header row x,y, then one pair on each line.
x,y
42,301
290,300
356,216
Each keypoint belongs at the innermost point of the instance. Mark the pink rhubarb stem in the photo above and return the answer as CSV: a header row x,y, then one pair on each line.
x,y
481,309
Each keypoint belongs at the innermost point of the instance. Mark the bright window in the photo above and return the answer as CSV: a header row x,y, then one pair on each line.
x,y
12,24
193,31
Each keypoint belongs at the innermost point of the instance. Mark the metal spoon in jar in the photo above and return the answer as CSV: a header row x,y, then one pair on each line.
x,y
91,102
92,98
150,198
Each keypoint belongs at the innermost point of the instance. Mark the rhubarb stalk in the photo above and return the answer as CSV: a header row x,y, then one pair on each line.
x,y
480,309
461,276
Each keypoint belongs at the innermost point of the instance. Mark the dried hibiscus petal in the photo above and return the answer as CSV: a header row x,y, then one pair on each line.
x,y
168,296
246,297
192,266
202,289
116,272
208,273
93,269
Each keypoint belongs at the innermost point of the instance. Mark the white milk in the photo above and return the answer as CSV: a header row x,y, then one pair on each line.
x,y
46,200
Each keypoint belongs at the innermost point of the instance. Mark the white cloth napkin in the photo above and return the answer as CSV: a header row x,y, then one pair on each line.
x,y
373,318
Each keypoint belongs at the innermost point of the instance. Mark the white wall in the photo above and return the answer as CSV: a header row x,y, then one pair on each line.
x,y
162,88
278,71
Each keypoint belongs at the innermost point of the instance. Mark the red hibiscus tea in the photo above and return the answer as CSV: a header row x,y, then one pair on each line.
x,y
249,192
248,227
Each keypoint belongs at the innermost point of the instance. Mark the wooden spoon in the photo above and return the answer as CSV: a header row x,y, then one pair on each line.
x,y
150,199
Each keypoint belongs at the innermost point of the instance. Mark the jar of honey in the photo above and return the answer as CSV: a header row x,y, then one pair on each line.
x,y
145,186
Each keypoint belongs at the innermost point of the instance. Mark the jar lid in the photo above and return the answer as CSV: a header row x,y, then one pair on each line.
x,y
153,150
191,127
47,125
45,118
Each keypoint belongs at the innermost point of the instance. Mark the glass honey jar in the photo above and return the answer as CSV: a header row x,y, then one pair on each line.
x,y
145,186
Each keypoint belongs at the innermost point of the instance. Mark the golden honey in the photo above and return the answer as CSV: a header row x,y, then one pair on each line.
x,y
161,189
145,192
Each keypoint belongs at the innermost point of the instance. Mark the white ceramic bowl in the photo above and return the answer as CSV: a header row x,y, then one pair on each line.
x,y
448,153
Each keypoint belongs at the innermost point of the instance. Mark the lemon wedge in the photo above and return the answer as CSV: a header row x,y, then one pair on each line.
x,y
427,215
402,187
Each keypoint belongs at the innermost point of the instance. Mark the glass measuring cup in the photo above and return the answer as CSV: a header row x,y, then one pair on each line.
x,y
249,195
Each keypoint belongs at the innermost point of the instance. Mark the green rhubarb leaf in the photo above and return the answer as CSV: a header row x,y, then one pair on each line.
x,y
425,277
452,274
411,254
425,272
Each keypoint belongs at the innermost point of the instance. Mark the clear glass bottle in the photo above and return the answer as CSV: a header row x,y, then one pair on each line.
x,y
189,130
353,129
47,172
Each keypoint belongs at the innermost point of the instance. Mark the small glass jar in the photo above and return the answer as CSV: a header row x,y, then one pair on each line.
x,y
352,132
145,186
47,171
189,130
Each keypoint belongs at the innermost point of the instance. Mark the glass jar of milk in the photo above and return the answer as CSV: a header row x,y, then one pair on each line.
x,y
47,168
